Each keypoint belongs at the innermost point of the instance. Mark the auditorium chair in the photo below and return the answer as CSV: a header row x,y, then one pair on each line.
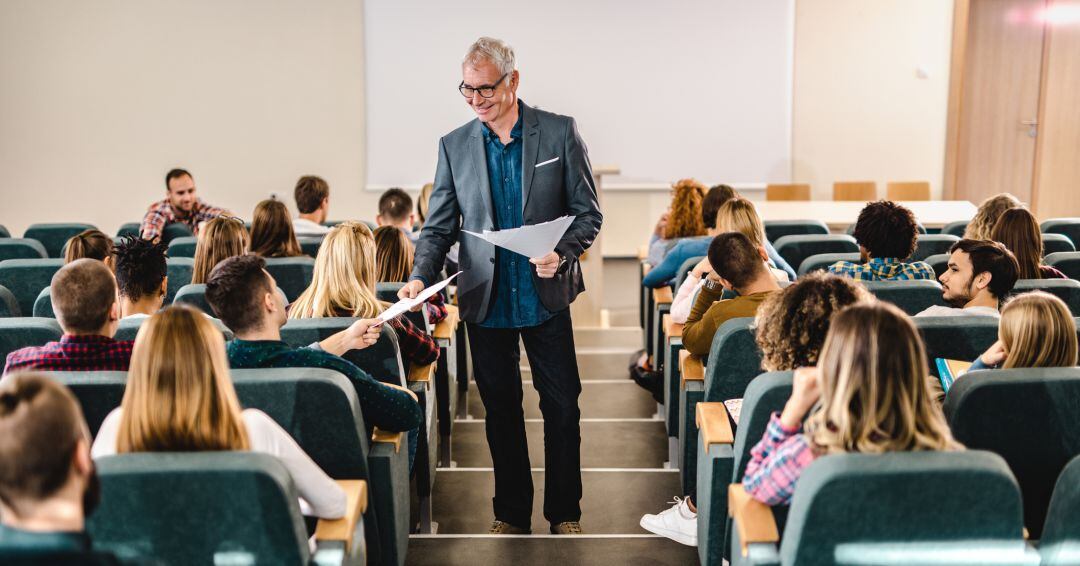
x,y
129,229
1067,262
1053,243
16,333
178,270
955,228
850,230
293,274
939,262
794,249
25,278
43,304
1061,536
912,296
821,262
128,328
4,233
1067,290
176,230
956,337
855,190
9,306
53,236
1067,226
932,244
659,340
194,294
794,191
310,245
909,508
776,229
183,246
904,191
215,508
21,248
1031,417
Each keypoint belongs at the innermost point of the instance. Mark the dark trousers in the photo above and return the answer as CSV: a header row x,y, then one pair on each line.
x,y
496,369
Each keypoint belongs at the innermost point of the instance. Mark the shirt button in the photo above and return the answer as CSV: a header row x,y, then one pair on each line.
x,y
506,179
514,289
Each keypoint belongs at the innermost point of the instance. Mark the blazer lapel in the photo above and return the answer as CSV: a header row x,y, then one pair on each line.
x,y
529,150
479,155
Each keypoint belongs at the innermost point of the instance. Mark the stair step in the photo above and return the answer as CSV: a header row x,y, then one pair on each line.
x,y
530,550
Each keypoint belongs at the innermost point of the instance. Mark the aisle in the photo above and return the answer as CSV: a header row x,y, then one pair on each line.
x,y
623,451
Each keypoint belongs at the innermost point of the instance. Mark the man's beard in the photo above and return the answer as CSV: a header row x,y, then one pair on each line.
x,y
960,301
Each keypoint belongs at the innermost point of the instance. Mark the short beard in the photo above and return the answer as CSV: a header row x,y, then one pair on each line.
x,y
959,302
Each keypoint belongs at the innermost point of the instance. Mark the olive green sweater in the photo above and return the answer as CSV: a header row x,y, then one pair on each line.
x,y
709,312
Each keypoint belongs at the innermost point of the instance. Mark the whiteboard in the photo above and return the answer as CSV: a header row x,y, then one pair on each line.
x,y
664,90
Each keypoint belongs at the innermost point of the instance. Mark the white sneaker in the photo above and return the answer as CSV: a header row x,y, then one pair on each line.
x,y
677,523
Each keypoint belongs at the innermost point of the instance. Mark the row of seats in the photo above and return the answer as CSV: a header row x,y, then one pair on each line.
x,y
776,229
853,190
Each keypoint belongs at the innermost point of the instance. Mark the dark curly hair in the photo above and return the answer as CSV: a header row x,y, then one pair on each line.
x,y
235,289
140,267
792,324
886,229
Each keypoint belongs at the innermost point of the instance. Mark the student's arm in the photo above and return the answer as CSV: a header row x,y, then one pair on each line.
x,y
702,322
436,308
684,299
153,223
357,336
389,408
667,270
776,463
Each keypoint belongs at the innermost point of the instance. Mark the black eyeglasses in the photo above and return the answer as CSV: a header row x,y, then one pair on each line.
x,y
486,91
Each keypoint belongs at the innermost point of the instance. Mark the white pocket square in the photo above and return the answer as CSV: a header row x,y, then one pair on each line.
x,y
552,160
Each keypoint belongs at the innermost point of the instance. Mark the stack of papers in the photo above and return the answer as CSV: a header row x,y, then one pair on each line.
x,y
533,241
405,305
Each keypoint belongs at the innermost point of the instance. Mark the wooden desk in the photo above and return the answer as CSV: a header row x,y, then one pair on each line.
x,y
838,215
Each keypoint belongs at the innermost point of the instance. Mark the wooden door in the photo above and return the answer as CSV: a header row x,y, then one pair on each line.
x,y
1058,161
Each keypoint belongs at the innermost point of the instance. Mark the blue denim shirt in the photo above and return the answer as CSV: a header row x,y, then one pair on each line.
x,y
515,302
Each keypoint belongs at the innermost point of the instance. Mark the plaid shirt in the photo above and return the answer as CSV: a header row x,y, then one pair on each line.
x,y
414,344
72,353
884,269
776,463
436,309
161,213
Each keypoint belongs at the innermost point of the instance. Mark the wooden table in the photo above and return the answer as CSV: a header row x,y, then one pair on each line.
x,y
838,215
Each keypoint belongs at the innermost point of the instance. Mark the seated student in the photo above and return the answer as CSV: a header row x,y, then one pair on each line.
x,y
48,485
343,284
272,231
244,296
221,238
886,233
84,299
738,265
180,398
422,211
93,244
987,215
394,259
180,206
682,220
395,209
1036,331
142,276
980,274
312,196
870,396
1019,231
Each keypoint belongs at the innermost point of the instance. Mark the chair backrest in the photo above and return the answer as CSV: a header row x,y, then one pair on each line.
x,y
909,190
179,270
734,360
381,360
25,278
791,191
821,262
855,190
932,244
293,274
956,337
1067,290
912,297
955,228
1067,226
1031,417
902,508
199,508
1067,262
685,269
194,294
129,229
940,262
1061,536
794,249
129,328
18,333
310,244
21,248
767,393
776,229
9,305
54,235
183,246
43,304
176,230
98,392
1054,243
4,233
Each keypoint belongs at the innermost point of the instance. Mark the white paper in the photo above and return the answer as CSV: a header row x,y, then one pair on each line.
x,y
533,241
404,305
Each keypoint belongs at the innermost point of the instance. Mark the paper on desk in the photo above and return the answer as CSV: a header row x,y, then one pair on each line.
x,y
404,305
535,240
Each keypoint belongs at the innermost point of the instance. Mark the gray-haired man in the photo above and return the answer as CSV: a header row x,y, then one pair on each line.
x,y
515,166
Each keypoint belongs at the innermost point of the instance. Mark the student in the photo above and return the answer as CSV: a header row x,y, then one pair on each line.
x,y
312,195
738,265
48,485
394,259
886,233
1036,331
980,274
244,296
93,244
989,211
180,398
1018,230
343,284
221,238
180,206
870,396
682,220
141,276
272,232
422,200
395,209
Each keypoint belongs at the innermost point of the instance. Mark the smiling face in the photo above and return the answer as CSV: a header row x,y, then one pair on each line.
x,y
484,73
182,193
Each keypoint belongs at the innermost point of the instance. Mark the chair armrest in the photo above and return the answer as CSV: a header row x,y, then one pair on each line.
x,y
387,437
713,424
662,296
753,519
421,373
355,505
444,330
672,329
690,367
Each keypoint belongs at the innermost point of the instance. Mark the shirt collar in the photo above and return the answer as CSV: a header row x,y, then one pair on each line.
x,y
884,261
515,132
85,339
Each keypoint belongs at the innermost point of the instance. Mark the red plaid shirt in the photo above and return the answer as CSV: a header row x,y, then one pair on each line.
x,y
72,353
436,309
161,213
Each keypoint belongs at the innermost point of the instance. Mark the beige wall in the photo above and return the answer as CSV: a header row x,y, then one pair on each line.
x,y
861,111
99,99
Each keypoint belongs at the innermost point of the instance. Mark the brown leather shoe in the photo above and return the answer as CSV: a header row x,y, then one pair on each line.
x,y
503,528
566,528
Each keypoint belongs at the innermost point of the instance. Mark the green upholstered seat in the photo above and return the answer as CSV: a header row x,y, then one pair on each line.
x,y
310,244
911,296
9,305
178,270
1061,537
776,229
1031,417
174,231
129,229
955,228
1067,262
43,304
21,248
1053,243
932,244
4,233
293,274
940,262
1067,226
54,235
98,392
821,262
128,328
794,249
194,294
685,269
18,333
956,337
25,278
1067,290
183,246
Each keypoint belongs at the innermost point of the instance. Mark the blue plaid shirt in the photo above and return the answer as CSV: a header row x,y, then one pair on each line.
x,y
884,269
515,302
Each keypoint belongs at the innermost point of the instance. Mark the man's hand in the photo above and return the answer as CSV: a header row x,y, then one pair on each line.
x,y
546,266
363,333
805,392
411,289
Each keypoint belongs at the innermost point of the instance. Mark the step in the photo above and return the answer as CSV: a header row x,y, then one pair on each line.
x,y
532,550
596,362
599,399
615,336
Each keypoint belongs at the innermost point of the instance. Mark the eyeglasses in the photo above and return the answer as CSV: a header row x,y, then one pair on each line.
x,y
486,91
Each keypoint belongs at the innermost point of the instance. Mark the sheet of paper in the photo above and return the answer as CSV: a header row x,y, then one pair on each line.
x,y
535,240
404,305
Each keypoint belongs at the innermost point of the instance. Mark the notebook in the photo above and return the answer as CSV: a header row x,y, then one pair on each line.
x,y
950,370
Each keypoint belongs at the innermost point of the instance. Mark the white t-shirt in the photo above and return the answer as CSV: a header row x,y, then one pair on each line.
x,y
304,227
938,310
319,495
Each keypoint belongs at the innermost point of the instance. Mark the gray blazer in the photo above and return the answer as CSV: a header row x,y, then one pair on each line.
x,y
461,198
